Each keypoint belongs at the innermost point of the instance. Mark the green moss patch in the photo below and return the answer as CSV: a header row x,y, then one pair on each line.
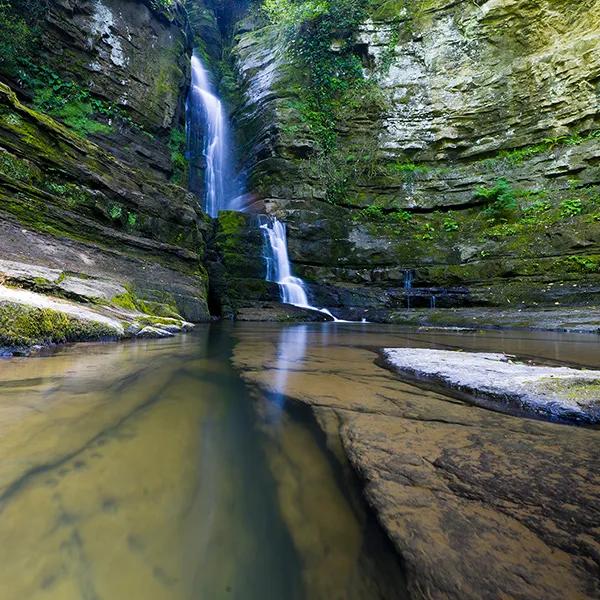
x,y
26,326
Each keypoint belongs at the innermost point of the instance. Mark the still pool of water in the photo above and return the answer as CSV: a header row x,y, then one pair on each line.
x,y
150,470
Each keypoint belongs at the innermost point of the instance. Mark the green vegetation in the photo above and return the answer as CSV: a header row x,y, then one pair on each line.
x,y
450,224
177,145
319,37
69,102
519,155
502,202
25,326
571,207
19,24
164,306
16,168
376,213
74,195
586,264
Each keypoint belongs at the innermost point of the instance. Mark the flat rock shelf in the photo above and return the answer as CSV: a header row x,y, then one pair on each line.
x,y
555,392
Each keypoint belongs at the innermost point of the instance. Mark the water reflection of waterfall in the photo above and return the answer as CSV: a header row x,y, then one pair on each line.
x,y
209,146
291,350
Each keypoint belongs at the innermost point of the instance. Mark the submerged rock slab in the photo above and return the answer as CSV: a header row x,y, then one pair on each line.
x,y
271,311
559,392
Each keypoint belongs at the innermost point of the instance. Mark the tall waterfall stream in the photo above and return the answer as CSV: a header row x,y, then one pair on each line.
x,y
209,136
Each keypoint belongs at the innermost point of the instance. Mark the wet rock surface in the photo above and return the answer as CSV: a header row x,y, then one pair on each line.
x,y
31,320
477,503
278,312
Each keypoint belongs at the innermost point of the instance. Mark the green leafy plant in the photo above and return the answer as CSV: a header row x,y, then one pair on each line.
x,y
518,155
571,208
426,232
583,263
400,216
115,212
177,145
449,224
19,24
15,168
501,200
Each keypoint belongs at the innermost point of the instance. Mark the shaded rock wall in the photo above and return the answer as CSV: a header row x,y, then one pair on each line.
x,y
128,56
87,151
67,204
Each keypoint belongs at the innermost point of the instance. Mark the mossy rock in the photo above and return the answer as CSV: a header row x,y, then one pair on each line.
x,y
23,326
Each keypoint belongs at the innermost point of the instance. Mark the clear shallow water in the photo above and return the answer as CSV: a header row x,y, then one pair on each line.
x,y
150,470
147,471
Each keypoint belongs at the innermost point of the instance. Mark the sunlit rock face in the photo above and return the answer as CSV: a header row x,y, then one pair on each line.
x,y
457,89
469,80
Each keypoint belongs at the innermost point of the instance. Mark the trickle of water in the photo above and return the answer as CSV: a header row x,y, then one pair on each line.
x,y
432,301
208,138
408,283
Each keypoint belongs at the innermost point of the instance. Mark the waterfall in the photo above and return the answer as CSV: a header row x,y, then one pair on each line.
x,y
209,149
278,264
408,284
279,269
209,141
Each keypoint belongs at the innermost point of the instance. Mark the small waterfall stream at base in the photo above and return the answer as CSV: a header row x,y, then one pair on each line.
x,y
279,269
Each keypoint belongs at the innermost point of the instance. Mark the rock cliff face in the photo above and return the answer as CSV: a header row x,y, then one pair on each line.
x,y
85,158
466,162
451,160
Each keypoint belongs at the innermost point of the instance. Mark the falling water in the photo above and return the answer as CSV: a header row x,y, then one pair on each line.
x,y
278,264
209,145
279,269
408,283
209,150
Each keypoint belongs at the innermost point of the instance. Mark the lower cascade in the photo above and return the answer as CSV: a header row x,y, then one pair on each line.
x,y
278,266
278,263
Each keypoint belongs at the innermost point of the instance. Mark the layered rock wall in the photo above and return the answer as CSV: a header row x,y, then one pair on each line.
x,y
86,151
462,102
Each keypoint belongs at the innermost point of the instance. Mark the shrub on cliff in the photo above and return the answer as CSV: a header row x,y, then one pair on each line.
x,y
19,24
